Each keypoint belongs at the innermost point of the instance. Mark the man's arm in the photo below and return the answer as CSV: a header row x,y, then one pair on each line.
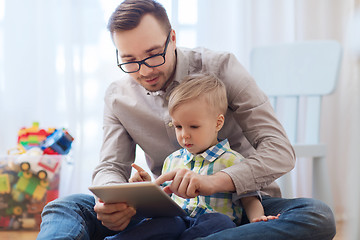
x,y
117,154
221,182
251,121
117,151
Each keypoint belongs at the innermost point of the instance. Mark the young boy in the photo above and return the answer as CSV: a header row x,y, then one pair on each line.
x,y
197,108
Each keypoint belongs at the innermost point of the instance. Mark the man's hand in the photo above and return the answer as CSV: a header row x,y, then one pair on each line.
x,y
188,184
114,216
140,176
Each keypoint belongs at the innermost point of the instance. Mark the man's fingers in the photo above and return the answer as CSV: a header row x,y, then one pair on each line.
x,y
118,221
109,208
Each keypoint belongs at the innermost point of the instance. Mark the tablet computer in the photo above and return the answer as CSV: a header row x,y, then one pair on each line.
x,y
147,198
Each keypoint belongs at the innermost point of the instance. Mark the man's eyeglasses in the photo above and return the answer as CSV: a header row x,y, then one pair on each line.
x,y
153,61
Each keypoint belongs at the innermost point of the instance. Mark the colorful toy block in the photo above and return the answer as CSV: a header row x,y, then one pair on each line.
x,y
4,184
30,176
59,141
33,136
31,185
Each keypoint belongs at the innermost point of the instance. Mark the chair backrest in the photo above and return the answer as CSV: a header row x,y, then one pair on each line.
x,y
296,76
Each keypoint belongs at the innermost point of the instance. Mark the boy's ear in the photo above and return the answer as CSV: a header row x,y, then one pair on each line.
x,y
220,122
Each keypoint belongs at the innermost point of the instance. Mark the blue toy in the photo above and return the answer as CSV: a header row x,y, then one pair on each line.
x,y
59,141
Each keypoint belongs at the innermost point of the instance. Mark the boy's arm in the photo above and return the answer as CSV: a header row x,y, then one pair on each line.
x,y
254,210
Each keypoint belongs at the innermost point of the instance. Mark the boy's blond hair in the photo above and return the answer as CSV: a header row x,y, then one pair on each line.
x,y
195,86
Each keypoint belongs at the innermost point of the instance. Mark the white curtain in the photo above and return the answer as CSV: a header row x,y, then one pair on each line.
x,y
57,58
345,137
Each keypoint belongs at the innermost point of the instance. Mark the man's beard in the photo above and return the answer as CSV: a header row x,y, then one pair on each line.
x,y
157,85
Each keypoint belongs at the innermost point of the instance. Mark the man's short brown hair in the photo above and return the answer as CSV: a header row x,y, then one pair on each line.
x,y
128,14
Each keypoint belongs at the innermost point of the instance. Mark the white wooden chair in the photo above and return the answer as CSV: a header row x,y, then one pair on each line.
x,y
296,76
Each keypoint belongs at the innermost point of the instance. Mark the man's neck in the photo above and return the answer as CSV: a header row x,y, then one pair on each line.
x,y
171,78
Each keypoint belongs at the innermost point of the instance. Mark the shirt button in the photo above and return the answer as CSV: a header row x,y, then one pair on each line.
x,y
170,124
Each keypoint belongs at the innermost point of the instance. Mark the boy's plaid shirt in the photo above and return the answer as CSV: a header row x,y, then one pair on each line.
x,y
209,162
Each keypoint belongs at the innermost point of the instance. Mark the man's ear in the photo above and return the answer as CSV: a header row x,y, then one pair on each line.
x,y
220,122
173,36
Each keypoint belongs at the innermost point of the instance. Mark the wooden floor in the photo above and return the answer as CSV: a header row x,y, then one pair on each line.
x,y
22,235
18,235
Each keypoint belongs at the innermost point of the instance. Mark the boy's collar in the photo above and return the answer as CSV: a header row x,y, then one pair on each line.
x,y
211,154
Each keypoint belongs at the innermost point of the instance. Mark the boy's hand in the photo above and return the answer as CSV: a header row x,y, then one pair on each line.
x,y
188,184
265,218
140,176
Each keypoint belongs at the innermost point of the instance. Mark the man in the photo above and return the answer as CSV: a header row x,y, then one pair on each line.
x,y
136,113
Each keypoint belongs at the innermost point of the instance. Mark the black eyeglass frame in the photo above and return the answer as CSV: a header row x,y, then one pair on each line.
x,y
120,65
